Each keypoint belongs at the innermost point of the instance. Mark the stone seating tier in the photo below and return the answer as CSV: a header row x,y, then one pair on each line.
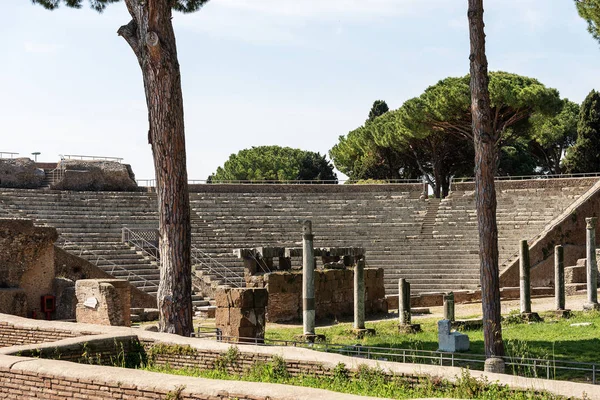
x,y
389,224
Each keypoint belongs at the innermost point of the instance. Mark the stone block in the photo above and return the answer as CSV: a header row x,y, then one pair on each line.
x,y
103,302
451,341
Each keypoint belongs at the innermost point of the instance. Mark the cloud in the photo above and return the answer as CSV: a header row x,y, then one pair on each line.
x,y
41,48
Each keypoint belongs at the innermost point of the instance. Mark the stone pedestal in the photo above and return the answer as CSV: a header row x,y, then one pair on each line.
x,y
495,365
103,301
240,314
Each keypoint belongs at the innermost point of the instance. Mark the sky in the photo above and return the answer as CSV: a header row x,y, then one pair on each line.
x,y
295,73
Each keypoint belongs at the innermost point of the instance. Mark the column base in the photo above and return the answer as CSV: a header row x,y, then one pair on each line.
x,y
409,328
495,365
591,307
531,317
361,333
563,313
310,338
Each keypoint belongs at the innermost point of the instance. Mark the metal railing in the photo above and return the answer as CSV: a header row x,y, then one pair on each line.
x,y
556,369
146,240
152,182
8,153
83,157
56,175
214,267
529,177
96,258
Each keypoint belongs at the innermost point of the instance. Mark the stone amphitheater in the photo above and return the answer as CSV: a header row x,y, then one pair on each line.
x,y
431,242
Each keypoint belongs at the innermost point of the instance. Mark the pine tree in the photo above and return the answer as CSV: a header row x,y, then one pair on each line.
x,y
152,39
584,156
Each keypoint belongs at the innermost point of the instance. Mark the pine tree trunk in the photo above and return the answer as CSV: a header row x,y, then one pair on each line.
x,y
486,155
151,37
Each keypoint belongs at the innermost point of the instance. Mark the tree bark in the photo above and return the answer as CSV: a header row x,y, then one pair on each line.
x,y
486,154
151,37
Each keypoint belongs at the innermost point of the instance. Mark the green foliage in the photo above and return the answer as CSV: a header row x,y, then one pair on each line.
x,y
584,156
590,11
185,6
552,135
379,108
228,359
431,135
274,163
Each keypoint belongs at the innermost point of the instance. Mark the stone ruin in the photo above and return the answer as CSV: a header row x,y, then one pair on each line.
x,y
334,296
95,175
20,173
103,301
241,313
26,266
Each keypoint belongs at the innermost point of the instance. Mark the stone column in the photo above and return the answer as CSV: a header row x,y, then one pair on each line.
x,y
449,306
308,279
359,295
404,301
559,277
525,292
405,325
592,268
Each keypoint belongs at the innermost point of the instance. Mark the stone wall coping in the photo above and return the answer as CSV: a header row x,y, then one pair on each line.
x,y
330,360
146,380
68,342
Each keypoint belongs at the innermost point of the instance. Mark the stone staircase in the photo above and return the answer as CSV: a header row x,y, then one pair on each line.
x,y
433,206
576,276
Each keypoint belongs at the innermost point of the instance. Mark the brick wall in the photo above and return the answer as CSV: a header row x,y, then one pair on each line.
x,y
98,350
16,384
11,335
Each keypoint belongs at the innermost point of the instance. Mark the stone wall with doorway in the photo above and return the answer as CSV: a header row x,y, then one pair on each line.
x,y
26,265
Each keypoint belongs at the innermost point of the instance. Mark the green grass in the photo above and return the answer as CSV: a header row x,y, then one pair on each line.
x,y
552,338
366,381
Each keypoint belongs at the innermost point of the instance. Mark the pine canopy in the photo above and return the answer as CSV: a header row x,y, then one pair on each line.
x,y
185,6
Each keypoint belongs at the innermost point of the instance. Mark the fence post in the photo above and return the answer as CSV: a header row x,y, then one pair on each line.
x,y
594,374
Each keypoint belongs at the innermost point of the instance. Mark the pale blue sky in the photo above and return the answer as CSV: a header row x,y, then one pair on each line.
x,y
294,73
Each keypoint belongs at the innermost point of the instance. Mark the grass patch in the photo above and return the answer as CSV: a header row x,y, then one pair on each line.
x,y
552,338
366,381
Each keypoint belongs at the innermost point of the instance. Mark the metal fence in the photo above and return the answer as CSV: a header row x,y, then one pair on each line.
x,y
557,369
7,154
83,157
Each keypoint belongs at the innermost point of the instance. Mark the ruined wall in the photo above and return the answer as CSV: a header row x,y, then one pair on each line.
x,y
334,296
241,313
27,263
20,173
95,176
